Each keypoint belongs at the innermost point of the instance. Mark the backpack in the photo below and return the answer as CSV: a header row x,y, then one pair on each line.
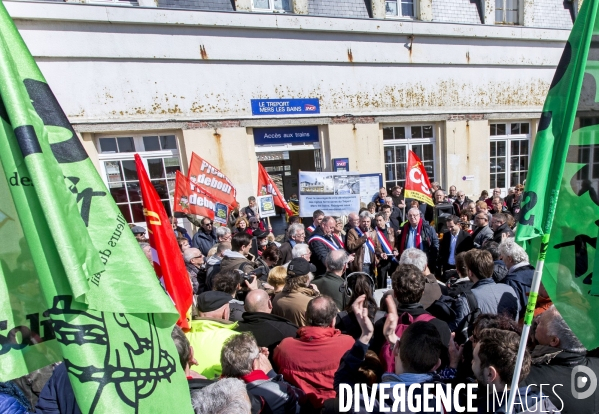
x,y
405,320
466,325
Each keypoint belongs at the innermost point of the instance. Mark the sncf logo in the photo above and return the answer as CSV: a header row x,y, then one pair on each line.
x,y
310,108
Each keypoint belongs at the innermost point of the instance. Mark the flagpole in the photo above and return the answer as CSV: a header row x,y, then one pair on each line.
x,y
528,317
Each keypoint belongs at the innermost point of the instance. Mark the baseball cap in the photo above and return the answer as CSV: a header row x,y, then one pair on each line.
x,y
138,230
212,300
299,267
260,234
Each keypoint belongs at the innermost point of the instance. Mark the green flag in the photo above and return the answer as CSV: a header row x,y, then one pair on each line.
x,y
74,284
560,206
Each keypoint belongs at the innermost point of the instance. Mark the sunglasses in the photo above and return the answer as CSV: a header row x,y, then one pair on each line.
x,y
207,224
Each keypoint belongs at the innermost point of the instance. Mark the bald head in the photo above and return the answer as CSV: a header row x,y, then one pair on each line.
x,y
353,219
257,301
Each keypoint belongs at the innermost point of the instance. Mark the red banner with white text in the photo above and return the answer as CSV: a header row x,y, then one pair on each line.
x,y
211,181
189,199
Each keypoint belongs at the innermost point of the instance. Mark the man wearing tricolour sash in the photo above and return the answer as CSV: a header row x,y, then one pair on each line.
x,y
363,241
321,242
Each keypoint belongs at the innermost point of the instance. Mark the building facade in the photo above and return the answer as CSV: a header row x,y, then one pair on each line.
x,y
461,83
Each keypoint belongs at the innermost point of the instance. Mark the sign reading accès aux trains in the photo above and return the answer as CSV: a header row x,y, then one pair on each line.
x,y
300,106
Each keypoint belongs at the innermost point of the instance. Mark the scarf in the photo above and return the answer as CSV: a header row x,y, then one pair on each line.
x,y
417,239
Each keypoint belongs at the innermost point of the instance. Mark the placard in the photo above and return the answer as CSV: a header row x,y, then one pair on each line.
x,y
334,193
266,206
221,213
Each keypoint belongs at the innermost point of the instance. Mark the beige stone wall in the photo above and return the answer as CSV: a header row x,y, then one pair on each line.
x,y
467,149
229,149
361,143
90,147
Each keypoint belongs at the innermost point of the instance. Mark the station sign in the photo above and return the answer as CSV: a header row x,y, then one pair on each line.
x,y
302,106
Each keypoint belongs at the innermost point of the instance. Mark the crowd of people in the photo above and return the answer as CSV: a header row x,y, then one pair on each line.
x,y
397,293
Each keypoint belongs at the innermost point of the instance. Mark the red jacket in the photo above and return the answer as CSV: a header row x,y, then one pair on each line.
x,y
310,361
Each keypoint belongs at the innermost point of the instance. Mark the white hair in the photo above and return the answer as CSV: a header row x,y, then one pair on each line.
x,y
509,248
414,257
226,396
222,231
191,253
558,327
295,228
299,250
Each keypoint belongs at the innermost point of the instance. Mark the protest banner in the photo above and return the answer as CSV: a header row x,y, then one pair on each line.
x,y
267,186
72,269
559,183
168,262
418,186
211,181
334,193
189,199
221,212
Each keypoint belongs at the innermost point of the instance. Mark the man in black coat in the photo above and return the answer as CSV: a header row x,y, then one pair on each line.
x,y
268,329
454,241
419,234
501,229
554,359
295,234
322,242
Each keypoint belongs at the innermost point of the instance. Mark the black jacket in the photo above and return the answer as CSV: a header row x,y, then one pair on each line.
x,y
268,329
554,366
320,251
504,228
463,244
58,395
285,253
396,218
430,243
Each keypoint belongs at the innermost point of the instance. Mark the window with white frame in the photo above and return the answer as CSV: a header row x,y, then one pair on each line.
x,y
397,141
273,5
399,8
507,11
510,150
122,2
160,155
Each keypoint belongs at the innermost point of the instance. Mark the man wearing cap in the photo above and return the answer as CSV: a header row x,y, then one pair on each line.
x,y
259,242
210,331
139,233
292,302
205,238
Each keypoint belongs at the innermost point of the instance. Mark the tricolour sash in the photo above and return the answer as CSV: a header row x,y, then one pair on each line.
x,y
369,242
323,240
310,229
339,241
385,245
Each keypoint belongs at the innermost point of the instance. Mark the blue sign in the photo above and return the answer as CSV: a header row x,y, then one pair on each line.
x,y
285,106
285,135
340,164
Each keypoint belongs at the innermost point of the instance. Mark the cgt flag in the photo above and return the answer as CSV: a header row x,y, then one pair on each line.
x,y
71,270
168,262
418,185
267,186
211,181
189,199
560,205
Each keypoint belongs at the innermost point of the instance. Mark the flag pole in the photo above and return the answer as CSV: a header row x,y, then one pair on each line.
x,y
528,317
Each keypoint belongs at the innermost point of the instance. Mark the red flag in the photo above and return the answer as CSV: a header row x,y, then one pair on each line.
x,y
418,185
189,199
168,261
267,186
211,181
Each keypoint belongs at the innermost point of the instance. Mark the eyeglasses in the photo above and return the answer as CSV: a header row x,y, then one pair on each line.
x,y
207,224
198,257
